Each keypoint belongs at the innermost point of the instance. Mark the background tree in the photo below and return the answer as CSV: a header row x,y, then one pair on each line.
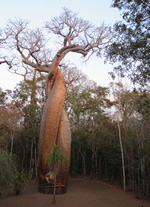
x,y
10,177
28,96
85,105
142,134
10,120
8,171
131,49
3,128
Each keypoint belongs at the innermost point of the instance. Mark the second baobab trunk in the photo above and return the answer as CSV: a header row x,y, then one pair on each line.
x,y
55,128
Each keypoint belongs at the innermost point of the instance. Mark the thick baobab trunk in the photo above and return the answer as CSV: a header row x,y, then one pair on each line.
x,y
55,128
64,139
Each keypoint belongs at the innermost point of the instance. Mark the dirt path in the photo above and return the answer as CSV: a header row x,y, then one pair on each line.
x,y
81,193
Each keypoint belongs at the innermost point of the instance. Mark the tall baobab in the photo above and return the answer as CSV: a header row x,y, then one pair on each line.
x,y
74,35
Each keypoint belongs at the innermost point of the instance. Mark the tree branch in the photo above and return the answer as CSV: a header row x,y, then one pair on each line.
x,y
40,68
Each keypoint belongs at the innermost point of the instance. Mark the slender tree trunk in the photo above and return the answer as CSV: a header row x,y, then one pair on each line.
x,y
96,163
54,193
12,140
31,160
23,157
35,161
122,158
93,156
12,143
120,140
83,164
100,167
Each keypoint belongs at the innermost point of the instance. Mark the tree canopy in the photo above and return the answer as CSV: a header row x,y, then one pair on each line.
x,y
33,49
131,49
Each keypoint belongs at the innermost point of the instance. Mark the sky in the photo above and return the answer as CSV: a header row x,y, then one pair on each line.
x,y
40,11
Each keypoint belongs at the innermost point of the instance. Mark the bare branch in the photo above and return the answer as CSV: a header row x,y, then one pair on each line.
x,y
4,61
30,45
40,68
3,43
78,35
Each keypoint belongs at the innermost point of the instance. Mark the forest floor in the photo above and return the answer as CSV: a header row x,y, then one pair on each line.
x,y
82,192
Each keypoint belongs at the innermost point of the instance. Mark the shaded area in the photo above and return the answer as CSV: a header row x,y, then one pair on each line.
x,y
81,192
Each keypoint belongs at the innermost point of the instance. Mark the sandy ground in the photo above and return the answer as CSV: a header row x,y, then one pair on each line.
x,y
81,193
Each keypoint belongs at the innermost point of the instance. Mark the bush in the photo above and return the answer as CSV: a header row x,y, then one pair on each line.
x,y
11,180
8,171
21,180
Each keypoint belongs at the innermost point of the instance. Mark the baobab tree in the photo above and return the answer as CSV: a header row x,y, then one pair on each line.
x,y
74,35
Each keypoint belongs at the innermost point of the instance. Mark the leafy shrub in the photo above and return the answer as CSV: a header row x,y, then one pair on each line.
x,y
8,171
10,178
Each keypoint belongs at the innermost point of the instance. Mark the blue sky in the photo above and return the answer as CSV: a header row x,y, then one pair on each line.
x,y
40,11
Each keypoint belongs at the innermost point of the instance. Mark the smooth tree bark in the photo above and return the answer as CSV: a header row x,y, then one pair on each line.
x,y
54,117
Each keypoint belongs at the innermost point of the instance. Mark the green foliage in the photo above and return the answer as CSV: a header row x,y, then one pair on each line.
x,y
143,104
131,47
2,96
85,103
95,143
10,178
56,155
27,98
8,171
80,148
21,179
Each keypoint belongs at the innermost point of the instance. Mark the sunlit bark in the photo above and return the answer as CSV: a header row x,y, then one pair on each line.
x,y
54,129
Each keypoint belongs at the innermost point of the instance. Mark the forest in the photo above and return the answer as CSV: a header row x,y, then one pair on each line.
x,y
110,133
